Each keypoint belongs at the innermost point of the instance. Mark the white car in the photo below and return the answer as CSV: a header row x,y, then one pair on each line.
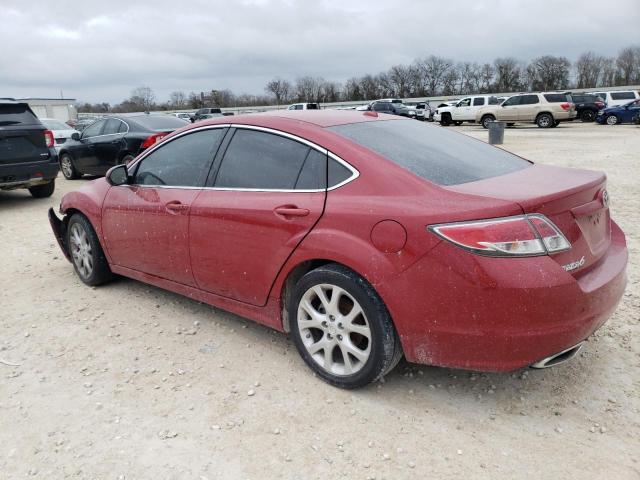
x,y
617,97
183,115
464,110
61,131
304,106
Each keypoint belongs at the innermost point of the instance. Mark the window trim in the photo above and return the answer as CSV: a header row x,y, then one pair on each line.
x,y
354,171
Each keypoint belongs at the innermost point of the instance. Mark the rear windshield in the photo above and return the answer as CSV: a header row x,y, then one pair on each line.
x,y
16,114
159,122
441,156
622,95
557,97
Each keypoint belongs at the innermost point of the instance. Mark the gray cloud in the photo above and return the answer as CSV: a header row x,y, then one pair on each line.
x,y
101,50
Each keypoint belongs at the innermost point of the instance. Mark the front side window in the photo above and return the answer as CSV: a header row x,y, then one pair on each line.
x,y
260,160
464,103
93,129
183,162
478,101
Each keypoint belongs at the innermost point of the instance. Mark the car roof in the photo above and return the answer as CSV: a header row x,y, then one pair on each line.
x,y
320,118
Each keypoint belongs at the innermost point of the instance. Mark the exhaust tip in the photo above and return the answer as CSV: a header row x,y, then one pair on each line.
x,y
558,358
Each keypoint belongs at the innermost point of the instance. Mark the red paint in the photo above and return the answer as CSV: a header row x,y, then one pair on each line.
x,y
450,307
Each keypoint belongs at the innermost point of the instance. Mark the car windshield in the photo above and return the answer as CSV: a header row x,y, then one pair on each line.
x,y
435,154
159,122
55,125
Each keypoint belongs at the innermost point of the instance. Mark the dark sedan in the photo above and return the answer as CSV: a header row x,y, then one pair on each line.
x,y
391,108
112,141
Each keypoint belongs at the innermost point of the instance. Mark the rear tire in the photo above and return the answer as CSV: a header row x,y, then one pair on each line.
x,y
486,120
335,311
587,116
67,168
545,120
43,191
86,253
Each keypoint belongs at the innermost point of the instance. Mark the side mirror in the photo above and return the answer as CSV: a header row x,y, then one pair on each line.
x,y
118,175
75,136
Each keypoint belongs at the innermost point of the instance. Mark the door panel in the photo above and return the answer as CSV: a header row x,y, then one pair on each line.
x,y
240,239
146,229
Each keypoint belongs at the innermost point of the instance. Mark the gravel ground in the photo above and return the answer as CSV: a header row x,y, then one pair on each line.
x,y
127,381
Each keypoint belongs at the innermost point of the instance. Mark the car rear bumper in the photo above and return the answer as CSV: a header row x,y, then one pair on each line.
x,y
500,314
28,174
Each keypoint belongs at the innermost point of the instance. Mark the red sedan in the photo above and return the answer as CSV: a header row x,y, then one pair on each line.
x,y
366,236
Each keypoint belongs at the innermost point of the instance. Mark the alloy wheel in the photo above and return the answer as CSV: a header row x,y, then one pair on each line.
x,y
65,165
81,251
334,329
612,120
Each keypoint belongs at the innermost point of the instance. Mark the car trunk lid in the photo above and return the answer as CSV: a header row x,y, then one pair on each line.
x,y
574,200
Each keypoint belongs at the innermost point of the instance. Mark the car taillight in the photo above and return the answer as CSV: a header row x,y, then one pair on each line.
x,y
153,139
565,106
519,236
48,138
599,104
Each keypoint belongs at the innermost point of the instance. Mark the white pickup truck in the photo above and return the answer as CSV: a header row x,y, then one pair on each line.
x,y
465,110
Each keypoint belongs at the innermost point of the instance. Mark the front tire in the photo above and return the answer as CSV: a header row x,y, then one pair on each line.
x,y
86,252
67,168
612,120
341,327
545,120
43,191
445,120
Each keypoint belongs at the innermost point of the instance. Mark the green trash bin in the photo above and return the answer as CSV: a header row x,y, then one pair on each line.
x,y
496,133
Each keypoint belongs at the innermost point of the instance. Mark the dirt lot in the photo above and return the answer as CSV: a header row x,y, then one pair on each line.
x,y
128,381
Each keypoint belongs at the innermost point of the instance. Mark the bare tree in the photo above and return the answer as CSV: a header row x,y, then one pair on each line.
x,y
433,71
331,91
400,78
309,89
487,75
280,88
628,65
549,72
508,74
143,98
177,100
352,90
588,69
608,72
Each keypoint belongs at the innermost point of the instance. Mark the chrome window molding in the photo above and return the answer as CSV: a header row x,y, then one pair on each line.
x,y
354,172
107,134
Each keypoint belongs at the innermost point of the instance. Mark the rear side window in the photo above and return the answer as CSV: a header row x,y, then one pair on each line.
x,y
312,106
17,114
622,95
260,160
112,126
313,174
529,99
183,162
478,101
556,97
435,154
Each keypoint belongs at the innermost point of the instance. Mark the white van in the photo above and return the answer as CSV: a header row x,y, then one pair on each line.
x,y
617,97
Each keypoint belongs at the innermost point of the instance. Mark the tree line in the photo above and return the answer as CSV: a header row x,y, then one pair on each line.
x,y
429,76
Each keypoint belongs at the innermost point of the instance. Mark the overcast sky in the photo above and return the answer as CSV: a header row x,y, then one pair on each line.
x,y
101,50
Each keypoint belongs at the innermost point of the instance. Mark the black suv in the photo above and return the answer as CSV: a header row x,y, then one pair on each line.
x,y
587,106
27,157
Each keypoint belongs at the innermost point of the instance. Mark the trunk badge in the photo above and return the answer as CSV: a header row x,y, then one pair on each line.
x,y
573,265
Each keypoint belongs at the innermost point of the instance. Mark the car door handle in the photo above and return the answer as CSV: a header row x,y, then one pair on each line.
x,y
291,211
176,207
